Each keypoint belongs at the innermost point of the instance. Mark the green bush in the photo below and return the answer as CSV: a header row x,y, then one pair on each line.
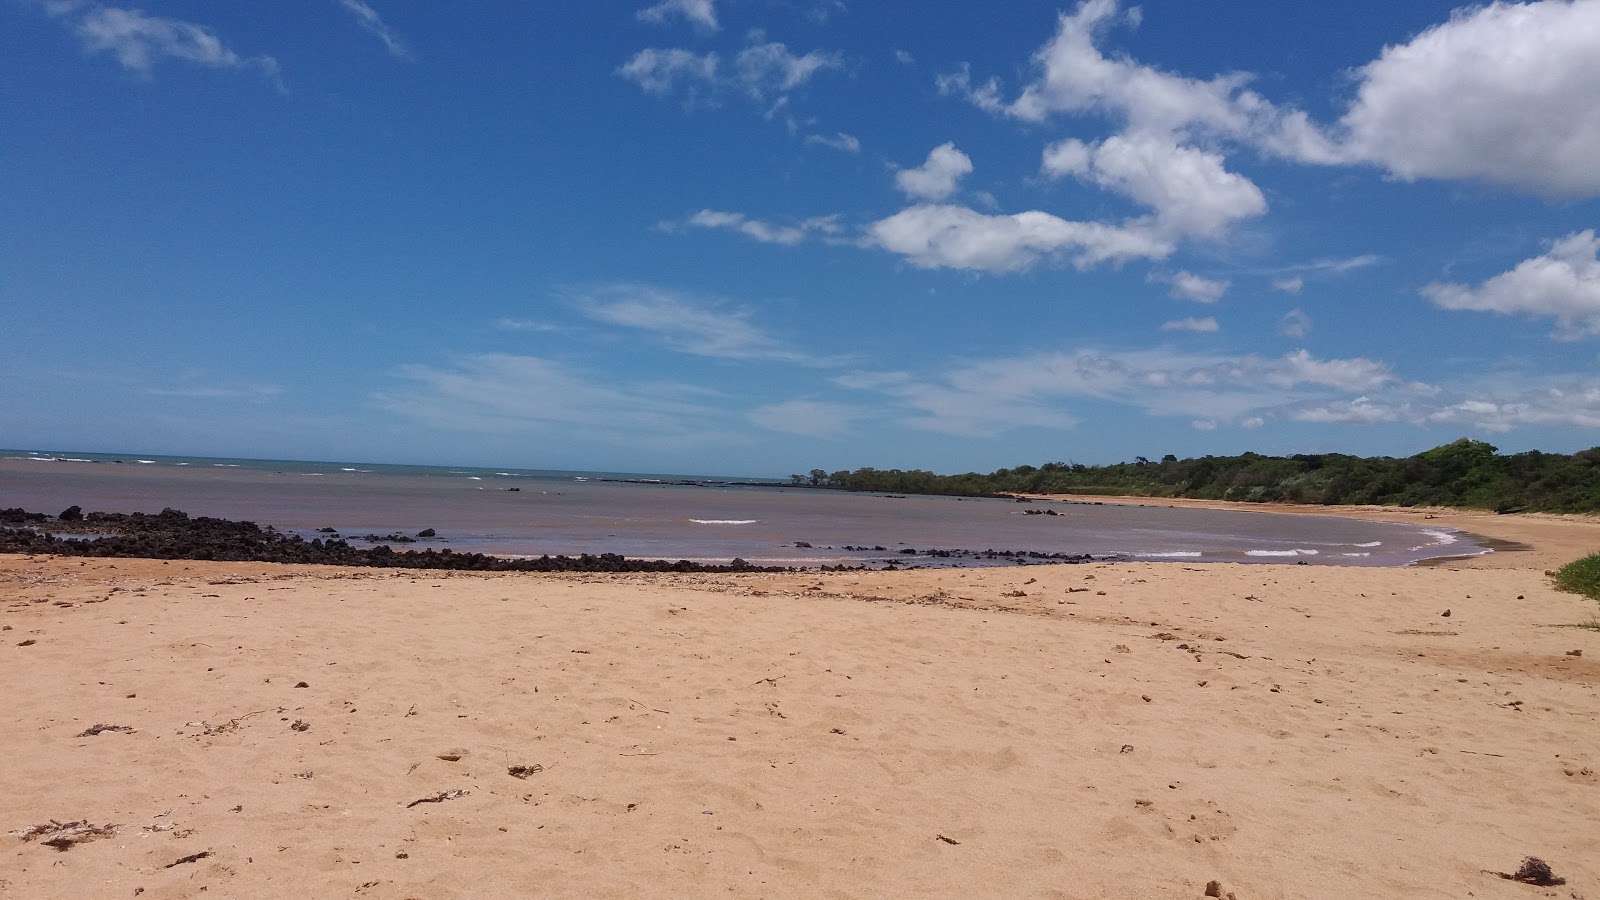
x,y
1580,577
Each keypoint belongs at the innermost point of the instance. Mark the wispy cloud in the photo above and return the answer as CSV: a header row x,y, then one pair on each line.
x,y
808,418
764,72
986,398
525,325
689,324
507,394
701,13
846,143
1207,325
765,232
139,41
368,18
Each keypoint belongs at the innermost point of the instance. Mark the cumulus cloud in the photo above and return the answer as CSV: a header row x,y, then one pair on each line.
x,y
1190,190
756,229
808,418
1563,283
1208,325
140,41
368,18
933,236
688,324
700,13
1507,93
1295,323
1185,285
938,176
1290,285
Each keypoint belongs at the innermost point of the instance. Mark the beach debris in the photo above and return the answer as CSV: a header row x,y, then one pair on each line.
x,y
63,836
300,725
301,684
454,754
440,797
231,724
1126,748
1574,652
1445,614
193,857
27,643
93,730
951,841
1534,871
836,731
524,771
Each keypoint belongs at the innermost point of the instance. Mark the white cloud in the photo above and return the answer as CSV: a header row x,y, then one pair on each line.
x,y
756,229
1186,285
1295,323
846,143
765,73
808,418
1075,77
662,71
1290,285
985,96
533,325
934,236
1190,190
1507,93
368,18
1204,424
700,13
688,324
988,397
496,393
139,41
1360,411
938,176
1563,283
904,58
768,70
1207,325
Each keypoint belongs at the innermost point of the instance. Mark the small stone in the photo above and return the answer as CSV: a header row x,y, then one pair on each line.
x,y
1445,614
1213,889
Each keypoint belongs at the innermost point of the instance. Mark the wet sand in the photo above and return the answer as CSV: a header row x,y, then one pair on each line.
x,y
1128,730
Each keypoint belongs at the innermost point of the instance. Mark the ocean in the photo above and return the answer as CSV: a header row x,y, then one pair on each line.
x,y
527,512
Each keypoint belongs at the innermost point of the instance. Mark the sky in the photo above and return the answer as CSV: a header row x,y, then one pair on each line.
x,y
756,237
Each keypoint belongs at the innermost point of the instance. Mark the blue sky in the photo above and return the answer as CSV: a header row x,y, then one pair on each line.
x,y
762,236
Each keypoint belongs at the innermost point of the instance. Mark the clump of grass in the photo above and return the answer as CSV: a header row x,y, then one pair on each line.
x,y
1580,576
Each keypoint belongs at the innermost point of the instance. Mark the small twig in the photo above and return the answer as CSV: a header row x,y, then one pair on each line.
x,y
651,708
193,857
440,797
947,840
638,754
772,681
1481,753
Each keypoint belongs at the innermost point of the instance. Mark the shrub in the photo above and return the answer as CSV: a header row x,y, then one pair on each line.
x,y
1580,577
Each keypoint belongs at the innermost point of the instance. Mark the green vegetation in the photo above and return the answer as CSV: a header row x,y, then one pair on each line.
x,y
1465,473
1580,577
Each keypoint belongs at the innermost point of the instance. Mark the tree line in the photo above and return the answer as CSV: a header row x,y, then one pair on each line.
x,y
1465,473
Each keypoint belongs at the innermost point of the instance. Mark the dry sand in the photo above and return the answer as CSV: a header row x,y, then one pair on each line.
x,y
1087,731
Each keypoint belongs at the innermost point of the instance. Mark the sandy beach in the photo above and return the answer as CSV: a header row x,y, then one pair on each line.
x,y
1078,731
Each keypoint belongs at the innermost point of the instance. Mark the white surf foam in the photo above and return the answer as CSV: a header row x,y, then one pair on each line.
x,y
724,521
1370,544
1175,554
1299,551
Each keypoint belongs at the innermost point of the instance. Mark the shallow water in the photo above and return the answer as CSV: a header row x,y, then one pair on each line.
x,y
477,510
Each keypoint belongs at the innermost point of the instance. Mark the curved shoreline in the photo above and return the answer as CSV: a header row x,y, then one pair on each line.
x,y
1519,540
